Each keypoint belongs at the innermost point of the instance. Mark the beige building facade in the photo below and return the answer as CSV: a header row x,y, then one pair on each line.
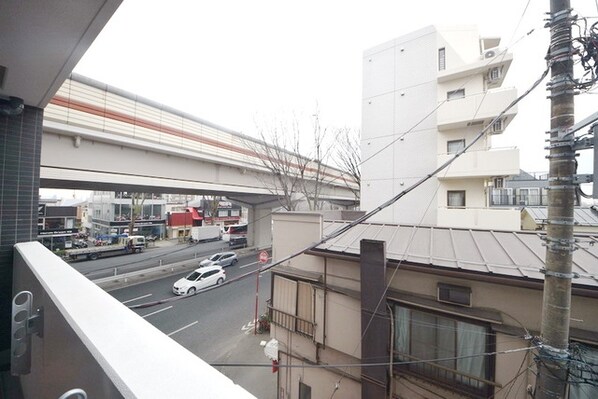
x,y
427,95
459,308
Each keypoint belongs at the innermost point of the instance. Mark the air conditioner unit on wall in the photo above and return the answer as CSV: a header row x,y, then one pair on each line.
x,y
490,53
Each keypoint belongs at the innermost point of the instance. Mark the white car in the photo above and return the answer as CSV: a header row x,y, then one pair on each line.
x,y
199,279
221,259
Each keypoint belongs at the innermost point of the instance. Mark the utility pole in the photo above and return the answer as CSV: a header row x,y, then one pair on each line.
x,y
553,356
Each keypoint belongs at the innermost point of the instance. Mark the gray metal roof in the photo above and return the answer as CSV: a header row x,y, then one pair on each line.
x,y
505,253
583,216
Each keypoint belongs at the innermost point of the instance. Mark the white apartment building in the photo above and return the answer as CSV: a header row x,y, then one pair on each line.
x,y
426,95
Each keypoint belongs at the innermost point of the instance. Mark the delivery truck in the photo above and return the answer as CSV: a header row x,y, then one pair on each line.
x,y
124,246
205,233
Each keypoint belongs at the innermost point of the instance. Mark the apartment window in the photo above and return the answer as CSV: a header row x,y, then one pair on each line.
x,y
498,126
427,336
455,198
582,372
494,74
455,94
454,146
304,391
498,182
441,59
530,196
502,196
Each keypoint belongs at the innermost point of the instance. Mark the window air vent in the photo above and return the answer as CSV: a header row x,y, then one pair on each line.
x,y
475,123
454,294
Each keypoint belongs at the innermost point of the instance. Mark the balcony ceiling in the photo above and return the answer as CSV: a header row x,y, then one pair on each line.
x,y
41,41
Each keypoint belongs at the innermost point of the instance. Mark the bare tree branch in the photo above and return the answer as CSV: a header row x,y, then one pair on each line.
x,y
348,157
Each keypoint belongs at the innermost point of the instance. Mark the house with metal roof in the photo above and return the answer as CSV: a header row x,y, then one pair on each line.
x,y
431,312
536,217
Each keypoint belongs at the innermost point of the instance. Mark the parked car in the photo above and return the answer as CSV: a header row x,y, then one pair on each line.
x,y
151,238
79,244
220,259
199,279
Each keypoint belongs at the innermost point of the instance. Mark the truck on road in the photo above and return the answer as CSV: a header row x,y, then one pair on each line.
x,y
124,246
205,233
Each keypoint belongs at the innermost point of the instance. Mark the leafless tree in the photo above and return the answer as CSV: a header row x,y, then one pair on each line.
x,y
292,170
213,203
348,157
276,150
314,165
137,200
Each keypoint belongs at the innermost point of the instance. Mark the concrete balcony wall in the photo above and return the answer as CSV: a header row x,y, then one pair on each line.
x,y
93,342
497,162
484,106
480,218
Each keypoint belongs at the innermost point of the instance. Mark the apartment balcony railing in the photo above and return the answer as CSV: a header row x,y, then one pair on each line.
x,y
477,109
517,200
482,218
485,163
291,322
92,342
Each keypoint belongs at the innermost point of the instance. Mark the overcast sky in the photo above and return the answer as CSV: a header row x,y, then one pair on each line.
x,y
234,61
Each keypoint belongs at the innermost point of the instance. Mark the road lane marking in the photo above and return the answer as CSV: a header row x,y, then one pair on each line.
x,y
182,328
249,264
249,327
135,299
157,311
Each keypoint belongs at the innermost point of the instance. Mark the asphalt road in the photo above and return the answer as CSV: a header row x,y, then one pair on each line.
x,y
215,325
150,257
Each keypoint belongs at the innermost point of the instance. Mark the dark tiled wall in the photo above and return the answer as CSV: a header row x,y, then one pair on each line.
x,y
20,149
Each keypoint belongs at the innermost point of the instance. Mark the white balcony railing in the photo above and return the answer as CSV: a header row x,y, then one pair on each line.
x,y
485,163
480,107
92,342
480,218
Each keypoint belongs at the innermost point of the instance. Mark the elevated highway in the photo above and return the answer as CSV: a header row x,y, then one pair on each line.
x,y
97,137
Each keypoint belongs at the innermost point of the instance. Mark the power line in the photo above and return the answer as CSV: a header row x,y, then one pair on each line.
x,y
368,215
399,363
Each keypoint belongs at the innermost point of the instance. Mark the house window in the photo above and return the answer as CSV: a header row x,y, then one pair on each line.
x,y
454,294
454,146
441,59
304,391
449,345
499,182
582,372
455,94
292,305
455,198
